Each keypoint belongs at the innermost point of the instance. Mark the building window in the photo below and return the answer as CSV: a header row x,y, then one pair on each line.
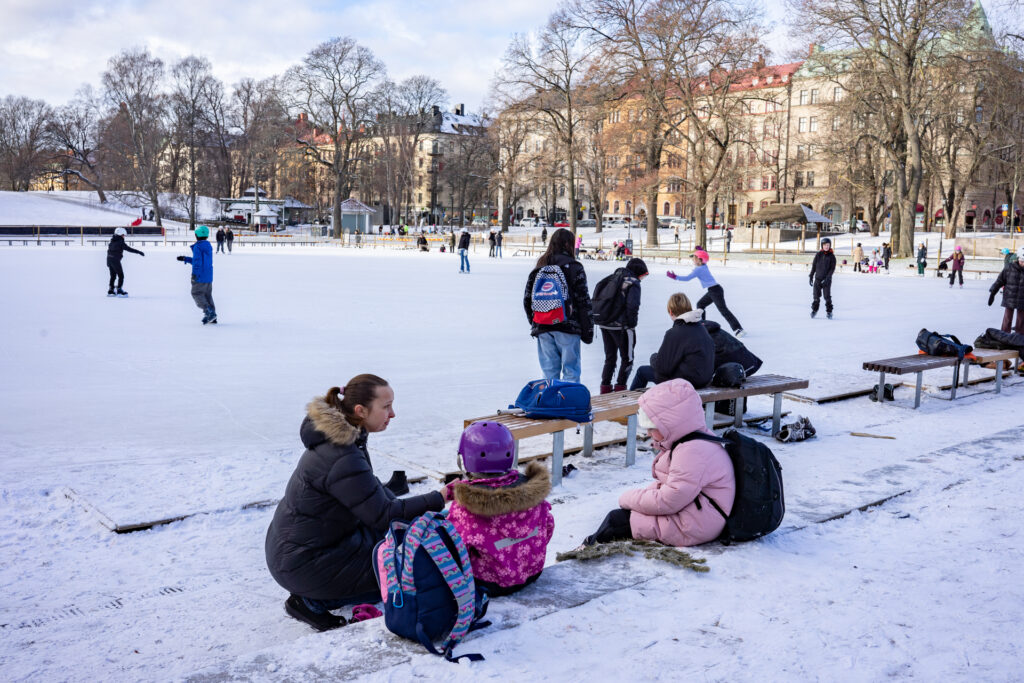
x,y
833,178
837,94
665,211
750,208
739,184
421,163
835,122
751,183
629,207
616,210
804,98
810,179
764,182
814,124
814,96
801,126
679,209
764,203
801,152
419,197
752,157
798,179
773,182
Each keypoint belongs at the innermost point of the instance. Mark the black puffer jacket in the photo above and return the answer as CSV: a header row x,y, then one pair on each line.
x,y
579,318
464,240
687,352
334,511
629,286
729,349
822,267
117,247
1011,280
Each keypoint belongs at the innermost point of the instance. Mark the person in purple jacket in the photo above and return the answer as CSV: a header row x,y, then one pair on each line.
x,y
503,516
715,293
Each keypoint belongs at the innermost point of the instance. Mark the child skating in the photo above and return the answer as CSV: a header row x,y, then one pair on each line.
x,y
503,516
115,250
202,274
715,293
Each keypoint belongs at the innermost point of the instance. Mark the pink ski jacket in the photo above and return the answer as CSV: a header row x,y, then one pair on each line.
x,y
666,510
505,522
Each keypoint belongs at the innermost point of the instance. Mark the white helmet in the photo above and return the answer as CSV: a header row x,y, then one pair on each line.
x,y
121,231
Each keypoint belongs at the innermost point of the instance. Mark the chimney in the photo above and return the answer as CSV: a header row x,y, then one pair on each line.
x,y
435,110
303,117
460,110
810,52
760,61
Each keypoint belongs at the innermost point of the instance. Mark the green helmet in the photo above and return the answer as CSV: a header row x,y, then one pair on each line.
x,y
202,231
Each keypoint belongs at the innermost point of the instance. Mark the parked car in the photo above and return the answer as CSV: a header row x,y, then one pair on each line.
x,y
586,223
533,223
681,223
615,223
858,226
562,224
480,223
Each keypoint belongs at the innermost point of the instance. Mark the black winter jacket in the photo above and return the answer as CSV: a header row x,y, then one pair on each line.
x,y
686,352
117,247
822,267
729,349
464,240
334,511
1011,280
630,286
579,314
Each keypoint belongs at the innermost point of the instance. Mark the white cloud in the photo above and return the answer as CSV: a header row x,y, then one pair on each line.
x,y
52,48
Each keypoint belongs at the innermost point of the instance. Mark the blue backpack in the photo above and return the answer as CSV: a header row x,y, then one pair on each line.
x,y
549,299
555,398
426,582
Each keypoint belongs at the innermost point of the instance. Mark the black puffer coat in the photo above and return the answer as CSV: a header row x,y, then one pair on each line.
x,y
116,248
334,511
729,349
1011,280
579,317
687,352
822,267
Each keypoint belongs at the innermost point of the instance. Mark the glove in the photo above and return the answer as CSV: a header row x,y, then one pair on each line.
x,y
671,274
991,298
810,281
142,253
181,258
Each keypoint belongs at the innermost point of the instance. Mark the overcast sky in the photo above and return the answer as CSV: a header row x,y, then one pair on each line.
x,y
50,48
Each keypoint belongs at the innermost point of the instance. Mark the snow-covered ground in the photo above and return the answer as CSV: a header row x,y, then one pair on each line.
x,y
84,208
145,414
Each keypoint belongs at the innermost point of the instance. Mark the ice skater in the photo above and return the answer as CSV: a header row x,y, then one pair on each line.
x,y
822,267
957,257
715,293
220,240
202,274
464,251
1011,281
115,250
230,237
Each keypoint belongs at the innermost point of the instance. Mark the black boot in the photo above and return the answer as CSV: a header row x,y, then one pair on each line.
x,y
297,609
398,484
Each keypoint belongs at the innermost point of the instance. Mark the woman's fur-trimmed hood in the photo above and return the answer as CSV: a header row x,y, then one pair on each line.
x,y
328,421
491,502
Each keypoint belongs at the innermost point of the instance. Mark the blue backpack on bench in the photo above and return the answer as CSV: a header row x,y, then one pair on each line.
x,y
555,398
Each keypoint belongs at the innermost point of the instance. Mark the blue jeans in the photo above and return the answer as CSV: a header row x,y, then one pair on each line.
x,y
644,376
559,354
463,260
498,250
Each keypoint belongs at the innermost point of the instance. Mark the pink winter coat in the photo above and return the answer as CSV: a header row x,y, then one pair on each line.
x,y
666,511
506,524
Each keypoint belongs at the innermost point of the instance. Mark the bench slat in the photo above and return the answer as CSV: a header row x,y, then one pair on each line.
x,y
902,365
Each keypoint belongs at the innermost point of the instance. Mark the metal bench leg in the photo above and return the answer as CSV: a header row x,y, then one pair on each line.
x,y
737,410
557,451
917,393
709,415
956,380
881,387
776,413
967,371
999,376
631,440
588,439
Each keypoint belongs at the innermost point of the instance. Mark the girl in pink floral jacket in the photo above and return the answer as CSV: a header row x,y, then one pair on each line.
x,y
502,515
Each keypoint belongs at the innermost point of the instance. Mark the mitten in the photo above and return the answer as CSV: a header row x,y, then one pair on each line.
x,y
181,258
142,253
810,281
991,297
671,274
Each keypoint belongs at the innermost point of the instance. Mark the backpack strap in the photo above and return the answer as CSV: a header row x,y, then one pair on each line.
x,y
703,437
410,544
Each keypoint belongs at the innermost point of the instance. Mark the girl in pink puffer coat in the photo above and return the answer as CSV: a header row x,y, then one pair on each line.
x,y
668,510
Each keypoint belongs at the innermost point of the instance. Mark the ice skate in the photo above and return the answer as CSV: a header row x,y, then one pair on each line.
x,y
121,292
110,292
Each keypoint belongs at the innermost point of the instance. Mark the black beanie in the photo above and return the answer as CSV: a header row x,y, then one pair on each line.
x,y
637,267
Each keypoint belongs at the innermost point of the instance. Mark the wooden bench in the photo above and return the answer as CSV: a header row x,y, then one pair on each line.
x,y
918,363
621,405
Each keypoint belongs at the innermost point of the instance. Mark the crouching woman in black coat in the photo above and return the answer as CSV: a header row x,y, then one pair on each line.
x,y
335,510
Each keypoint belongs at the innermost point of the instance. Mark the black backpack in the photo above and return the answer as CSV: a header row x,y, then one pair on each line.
x,y
609,300
935,344
760,504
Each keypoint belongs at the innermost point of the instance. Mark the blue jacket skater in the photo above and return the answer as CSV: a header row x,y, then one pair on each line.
x,y
202,261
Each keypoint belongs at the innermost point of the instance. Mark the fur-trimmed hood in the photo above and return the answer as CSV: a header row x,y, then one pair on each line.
x,y
528,492
325,422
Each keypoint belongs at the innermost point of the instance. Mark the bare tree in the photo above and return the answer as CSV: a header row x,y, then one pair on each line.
x,y
75,129
543,74
23,140
333,86
510,157
190,96
132,91
466,170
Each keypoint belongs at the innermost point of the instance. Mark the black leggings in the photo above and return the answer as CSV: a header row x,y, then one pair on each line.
x,y
716,295
115,272
953,274
615,527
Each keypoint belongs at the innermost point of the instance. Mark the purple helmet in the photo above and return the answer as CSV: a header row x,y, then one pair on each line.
x,y
487,448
